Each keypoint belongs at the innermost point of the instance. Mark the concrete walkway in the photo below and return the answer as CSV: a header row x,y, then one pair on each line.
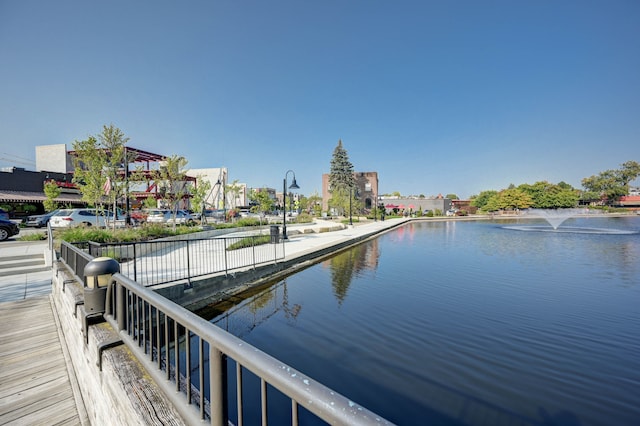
x,y
25,270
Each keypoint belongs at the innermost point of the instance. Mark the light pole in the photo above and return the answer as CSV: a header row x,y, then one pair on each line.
x,y
224,198
350,198
294,185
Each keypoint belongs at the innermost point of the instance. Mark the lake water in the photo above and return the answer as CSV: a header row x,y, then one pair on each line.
x,y
466,323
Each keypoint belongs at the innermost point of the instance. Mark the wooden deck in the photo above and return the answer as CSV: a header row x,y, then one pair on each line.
x,y
36,387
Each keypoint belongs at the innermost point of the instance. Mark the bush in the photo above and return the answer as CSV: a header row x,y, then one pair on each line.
x,y
250,242
304,218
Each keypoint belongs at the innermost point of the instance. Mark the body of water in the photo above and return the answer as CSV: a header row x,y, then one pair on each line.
x,y
467,323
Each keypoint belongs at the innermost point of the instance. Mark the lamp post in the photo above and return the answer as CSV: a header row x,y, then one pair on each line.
x,y
294,185
350,198
224,198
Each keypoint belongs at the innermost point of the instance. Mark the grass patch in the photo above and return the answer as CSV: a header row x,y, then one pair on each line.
x,y
245,242
36,236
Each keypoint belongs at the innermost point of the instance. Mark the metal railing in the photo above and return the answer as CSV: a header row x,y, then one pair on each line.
x,y
158,262
205,371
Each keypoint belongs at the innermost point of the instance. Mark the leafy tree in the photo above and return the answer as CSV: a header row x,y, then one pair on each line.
x,y
613,184
452,197
52,191
234,189
480,201
263,202
171,177
509,199
199,194
314,204
341,178
113,143
89,161
546,195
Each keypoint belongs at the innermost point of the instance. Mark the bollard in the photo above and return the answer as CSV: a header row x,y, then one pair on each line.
x,y
97,275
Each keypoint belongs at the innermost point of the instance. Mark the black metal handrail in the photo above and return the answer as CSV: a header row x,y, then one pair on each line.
x,y
158,262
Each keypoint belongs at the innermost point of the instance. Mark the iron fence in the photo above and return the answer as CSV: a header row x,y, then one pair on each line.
x,y
158,262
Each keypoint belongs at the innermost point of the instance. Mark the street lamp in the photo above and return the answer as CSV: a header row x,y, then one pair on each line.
x,y
350,198
294,185
224,198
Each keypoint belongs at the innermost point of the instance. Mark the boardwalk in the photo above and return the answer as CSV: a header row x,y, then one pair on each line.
x,y
36,386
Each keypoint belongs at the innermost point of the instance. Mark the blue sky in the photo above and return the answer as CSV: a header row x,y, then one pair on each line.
x,y
436,96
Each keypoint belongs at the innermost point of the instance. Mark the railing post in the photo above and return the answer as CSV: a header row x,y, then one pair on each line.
x,y
217,386
135,263
120,306
253,249
226,268
188,264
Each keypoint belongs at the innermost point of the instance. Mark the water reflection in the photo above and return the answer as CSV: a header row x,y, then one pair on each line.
x,y
465,323
349,264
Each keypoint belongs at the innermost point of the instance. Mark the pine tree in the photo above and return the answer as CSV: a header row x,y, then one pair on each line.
x,y
341,179
341,173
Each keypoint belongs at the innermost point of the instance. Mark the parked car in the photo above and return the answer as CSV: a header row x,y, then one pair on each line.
x,y
182,218
157,216
8,229
82,217
40,220
4,215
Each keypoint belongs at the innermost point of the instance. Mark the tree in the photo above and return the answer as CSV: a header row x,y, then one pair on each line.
x,y
480,201
263,202
199,195
341,179
546,195
234,189
171,178
52,191
613,184
117,159
509,199
452,197
89,161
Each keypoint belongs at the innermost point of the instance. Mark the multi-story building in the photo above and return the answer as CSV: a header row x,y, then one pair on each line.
x,y
366,189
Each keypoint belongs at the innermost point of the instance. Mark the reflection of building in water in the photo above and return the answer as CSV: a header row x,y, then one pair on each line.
x,y
250,313
350,263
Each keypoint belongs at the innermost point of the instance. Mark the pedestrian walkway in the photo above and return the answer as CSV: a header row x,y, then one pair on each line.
x,y
36,376
25,271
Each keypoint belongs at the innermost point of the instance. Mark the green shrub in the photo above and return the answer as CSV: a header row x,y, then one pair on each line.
x,y
304,218
250,242
248,221
36,236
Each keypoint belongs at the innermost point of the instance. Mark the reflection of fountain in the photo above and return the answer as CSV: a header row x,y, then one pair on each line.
x,y
555,217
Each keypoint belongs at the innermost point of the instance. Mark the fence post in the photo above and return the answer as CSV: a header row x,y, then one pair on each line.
x,y
226,268
135,263
217,386
120,306
188,264
253,250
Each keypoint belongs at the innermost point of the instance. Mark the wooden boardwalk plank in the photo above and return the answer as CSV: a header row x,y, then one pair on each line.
x,y
34,382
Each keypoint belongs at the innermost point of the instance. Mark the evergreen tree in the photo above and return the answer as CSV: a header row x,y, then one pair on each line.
x,y
341,178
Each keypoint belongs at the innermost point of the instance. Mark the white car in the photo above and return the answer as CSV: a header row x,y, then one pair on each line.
x,y
157,215
66,218
182,218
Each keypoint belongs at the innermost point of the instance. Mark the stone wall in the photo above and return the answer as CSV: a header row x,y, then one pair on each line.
x,y
122,393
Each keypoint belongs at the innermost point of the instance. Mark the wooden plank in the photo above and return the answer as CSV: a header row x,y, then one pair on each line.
x,y
34,382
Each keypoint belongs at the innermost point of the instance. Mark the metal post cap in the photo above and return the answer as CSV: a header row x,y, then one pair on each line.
x,y
101,266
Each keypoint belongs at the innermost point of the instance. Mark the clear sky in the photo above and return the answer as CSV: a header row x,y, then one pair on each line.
x,y
436,96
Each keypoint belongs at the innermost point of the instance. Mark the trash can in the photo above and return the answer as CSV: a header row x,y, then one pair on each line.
x,y
275,234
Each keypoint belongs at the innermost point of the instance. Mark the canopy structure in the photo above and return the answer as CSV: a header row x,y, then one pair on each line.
x,y
36,197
